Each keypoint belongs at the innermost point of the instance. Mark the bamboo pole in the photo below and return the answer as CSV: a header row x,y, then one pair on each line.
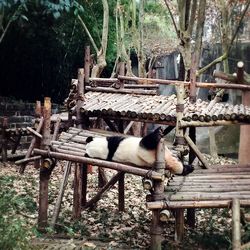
x,y
210,196
101,163
236,235
220,203
192,156
156,228
121,91
33,143
196,151
179,83
152,81
26,160
34,132
184,124
206,188
78,185
60,195
179,224
56,129
106,187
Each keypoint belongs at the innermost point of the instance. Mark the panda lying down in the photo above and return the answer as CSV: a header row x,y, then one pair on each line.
x,y
134,150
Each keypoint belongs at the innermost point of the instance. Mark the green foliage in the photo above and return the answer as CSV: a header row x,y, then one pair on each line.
x,y
13,230
43,49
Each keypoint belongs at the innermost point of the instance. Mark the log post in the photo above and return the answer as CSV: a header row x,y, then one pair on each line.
x,y
60,195
236,238
192,156
4,139
37,143
44,173
79,186
156,229
87,65
180,141
179,224
121,181
244,156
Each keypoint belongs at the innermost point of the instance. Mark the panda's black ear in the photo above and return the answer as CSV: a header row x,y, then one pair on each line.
x,y
89,139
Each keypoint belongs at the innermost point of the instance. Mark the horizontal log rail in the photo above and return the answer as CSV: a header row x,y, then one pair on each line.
x,y
174,82
223,203
121,90
145,81
101,163
209,124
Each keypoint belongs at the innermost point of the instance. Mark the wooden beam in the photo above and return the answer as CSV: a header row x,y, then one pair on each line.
x,y
44,173
34,132
121,192
156,228
107,186
179,224
197,151
112,165
32,144
60,195
236,235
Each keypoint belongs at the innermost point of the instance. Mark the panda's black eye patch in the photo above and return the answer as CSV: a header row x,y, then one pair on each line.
x,y
113,144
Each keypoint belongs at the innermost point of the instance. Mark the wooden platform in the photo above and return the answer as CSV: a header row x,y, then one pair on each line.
x,y
210,188
161,109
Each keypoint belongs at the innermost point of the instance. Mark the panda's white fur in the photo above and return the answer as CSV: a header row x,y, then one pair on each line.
x,y
133,150
128,151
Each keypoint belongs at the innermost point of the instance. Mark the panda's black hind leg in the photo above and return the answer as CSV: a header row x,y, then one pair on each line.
x,y
151,140
187,169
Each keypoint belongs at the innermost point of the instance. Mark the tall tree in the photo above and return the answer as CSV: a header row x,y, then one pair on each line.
x,y
101,51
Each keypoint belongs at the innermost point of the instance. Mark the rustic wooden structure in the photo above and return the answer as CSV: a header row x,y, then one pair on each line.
x,y
121,101
10,139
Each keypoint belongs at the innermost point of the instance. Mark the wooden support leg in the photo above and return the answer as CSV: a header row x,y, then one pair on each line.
x,y
17,142
236,224
77,197
85,171
60,195
179,224
121,203
43,198
97,197
192,156
102,178
156,230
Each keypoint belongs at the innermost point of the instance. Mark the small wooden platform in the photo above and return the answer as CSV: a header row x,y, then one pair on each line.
x,y
210,188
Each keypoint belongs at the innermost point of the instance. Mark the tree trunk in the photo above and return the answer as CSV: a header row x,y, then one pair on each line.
x,y
101,55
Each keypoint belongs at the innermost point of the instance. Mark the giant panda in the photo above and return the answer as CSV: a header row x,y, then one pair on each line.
x,y
134,150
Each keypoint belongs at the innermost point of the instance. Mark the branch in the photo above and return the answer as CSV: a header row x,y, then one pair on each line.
x,y
10,21
238,27
225,55
217,60
192,17
88,33
172,17
105,27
